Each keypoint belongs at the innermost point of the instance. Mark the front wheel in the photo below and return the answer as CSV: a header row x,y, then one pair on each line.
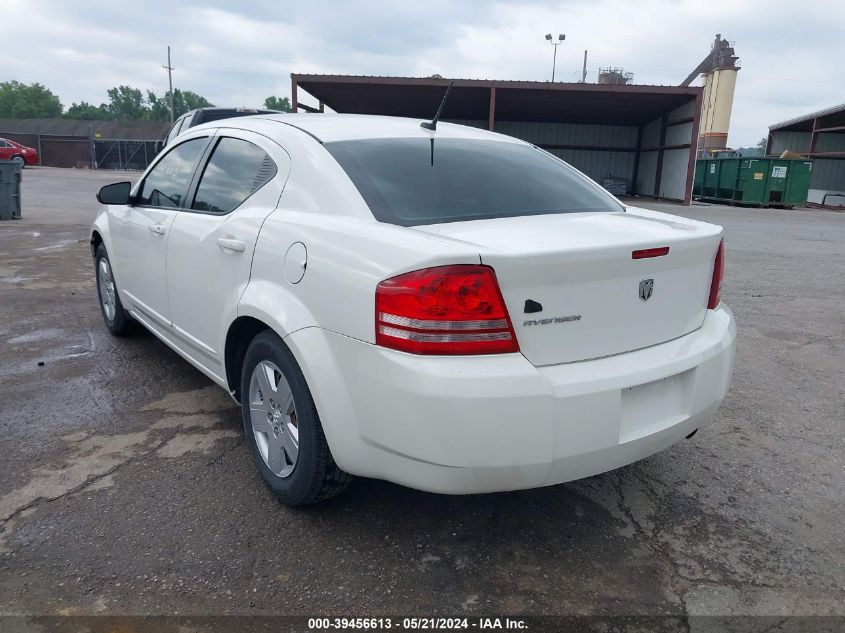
x,y
117,320
20,160
282,426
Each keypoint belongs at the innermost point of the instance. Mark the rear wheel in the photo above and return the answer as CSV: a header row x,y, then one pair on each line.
x,y
282,426
117,320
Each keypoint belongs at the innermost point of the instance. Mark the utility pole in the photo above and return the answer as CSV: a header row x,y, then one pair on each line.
x,y
170,70
584,72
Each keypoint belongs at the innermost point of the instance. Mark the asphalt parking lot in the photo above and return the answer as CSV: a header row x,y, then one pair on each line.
x,y
127,487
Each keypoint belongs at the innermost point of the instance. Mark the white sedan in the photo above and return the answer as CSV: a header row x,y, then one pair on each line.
x,y
454,310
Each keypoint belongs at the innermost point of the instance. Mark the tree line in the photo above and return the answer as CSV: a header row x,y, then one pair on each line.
x,y
125,103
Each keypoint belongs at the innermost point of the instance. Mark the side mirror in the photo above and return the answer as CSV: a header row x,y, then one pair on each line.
x,y
116,193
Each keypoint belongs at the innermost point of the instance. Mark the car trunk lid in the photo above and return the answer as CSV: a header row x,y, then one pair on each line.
x,y
575,291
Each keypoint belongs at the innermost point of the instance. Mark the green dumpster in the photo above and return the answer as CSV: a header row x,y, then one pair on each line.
x,y
10,190
761,182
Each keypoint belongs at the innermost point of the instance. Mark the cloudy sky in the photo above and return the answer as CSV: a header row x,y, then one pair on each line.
x,y
238,53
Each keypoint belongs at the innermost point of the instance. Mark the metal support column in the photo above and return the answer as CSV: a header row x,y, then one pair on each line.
x,y
636,173
814,135
659,171
693,152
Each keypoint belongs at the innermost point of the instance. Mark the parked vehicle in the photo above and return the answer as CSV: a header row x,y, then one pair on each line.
x,y
453,310
10,150
207,115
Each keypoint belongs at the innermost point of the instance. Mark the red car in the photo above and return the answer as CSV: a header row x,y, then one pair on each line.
x,y
9,150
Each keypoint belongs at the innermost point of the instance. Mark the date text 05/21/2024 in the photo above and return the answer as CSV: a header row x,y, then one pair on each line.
x,y
408,624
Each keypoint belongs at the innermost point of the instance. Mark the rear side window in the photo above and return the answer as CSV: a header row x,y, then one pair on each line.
x,y
235,171
412,181
167,184
174,131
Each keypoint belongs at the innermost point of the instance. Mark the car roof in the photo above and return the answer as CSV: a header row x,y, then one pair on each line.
x,y
230,109
328,128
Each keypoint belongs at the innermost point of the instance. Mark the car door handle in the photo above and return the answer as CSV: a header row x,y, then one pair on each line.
x,y
157,229
236,246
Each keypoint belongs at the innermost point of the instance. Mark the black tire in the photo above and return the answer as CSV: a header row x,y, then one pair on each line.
x,y
315,476
18,157
120,324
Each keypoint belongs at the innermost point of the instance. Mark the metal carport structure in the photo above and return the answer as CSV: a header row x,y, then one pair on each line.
x,y
820,136
643,134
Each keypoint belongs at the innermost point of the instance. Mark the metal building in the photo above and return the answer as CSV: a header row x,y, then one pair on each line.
x,y
820,136
644,135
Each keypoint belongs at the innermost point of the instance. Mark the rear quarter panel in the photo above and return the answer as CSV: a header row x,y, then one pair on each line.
x,y
348,252
346,259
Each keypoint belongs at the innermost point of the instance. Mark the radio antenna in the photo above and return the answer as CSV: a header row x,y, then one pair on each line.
x,y
432,125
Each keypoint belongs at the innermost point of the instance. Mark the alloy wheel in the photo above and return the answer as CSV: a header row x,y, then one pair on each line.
x,y
273,417
105,283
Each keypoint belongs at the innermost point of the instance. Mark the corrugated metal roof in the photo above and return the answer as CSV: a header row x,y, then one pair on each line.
x,y
419,97
809,117
564,85
133,130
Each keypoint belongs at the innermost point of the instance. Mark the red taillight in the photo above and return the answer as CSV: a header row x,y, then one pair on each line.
x,y
444,310
718,274
650,252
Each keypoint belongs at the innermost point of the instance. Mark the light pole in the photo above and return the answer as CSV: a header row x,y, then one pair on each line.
x,y
560,39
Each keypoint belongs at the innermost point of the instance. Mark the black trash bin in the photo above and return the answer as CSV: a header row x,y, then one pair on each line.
x,y
10,190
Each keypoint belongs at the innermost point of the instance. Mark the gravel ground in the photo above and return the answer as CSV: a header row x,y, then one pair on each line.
x,y
128,488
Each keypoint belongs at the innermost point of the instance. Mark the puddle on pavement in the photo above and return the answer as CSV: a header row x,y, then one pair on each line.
x,y
37,335
54,246
92,458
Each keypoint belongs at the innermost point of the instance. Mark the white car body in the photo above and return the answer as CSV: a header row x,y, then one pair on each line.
x,y
304,256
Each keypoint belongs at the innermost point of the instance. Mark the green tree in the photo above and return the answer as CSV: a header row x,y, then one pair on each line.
x,y
87,111
22,101
159,108
127,104
183,101
277,103
191,101
754,150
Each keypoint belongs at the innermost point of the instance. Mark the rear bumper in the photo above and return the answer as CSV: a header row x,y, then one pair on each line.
x,y
490,423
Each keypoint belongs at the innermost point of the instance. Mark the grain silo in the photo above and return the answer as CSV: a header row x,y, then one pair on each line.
x,y
719,70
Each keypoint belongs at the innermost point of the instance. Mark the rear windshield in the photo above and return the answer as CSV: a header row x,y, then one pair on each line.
x,y
206,116
412,181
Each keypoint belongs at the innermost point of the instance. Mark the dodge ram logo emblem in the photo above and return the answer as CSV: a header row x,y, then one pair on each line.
x,y
646,288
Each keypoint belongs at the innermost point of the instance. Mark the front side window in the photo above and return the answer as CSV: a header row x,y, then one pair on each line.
x,y
167,184
4,143
413,181
235,171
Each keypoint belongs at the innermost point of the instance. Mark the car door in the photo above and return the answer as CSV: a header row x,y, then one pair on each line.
x,y
209,252
139,231
5,150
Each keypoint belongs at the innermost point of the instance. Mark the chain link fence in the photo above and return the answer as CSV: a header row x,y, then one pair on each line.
x,y
123,154
83,152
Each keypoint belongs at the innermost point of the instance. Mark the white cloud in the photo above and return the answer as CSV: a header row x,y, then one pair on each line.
x,y
238,54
